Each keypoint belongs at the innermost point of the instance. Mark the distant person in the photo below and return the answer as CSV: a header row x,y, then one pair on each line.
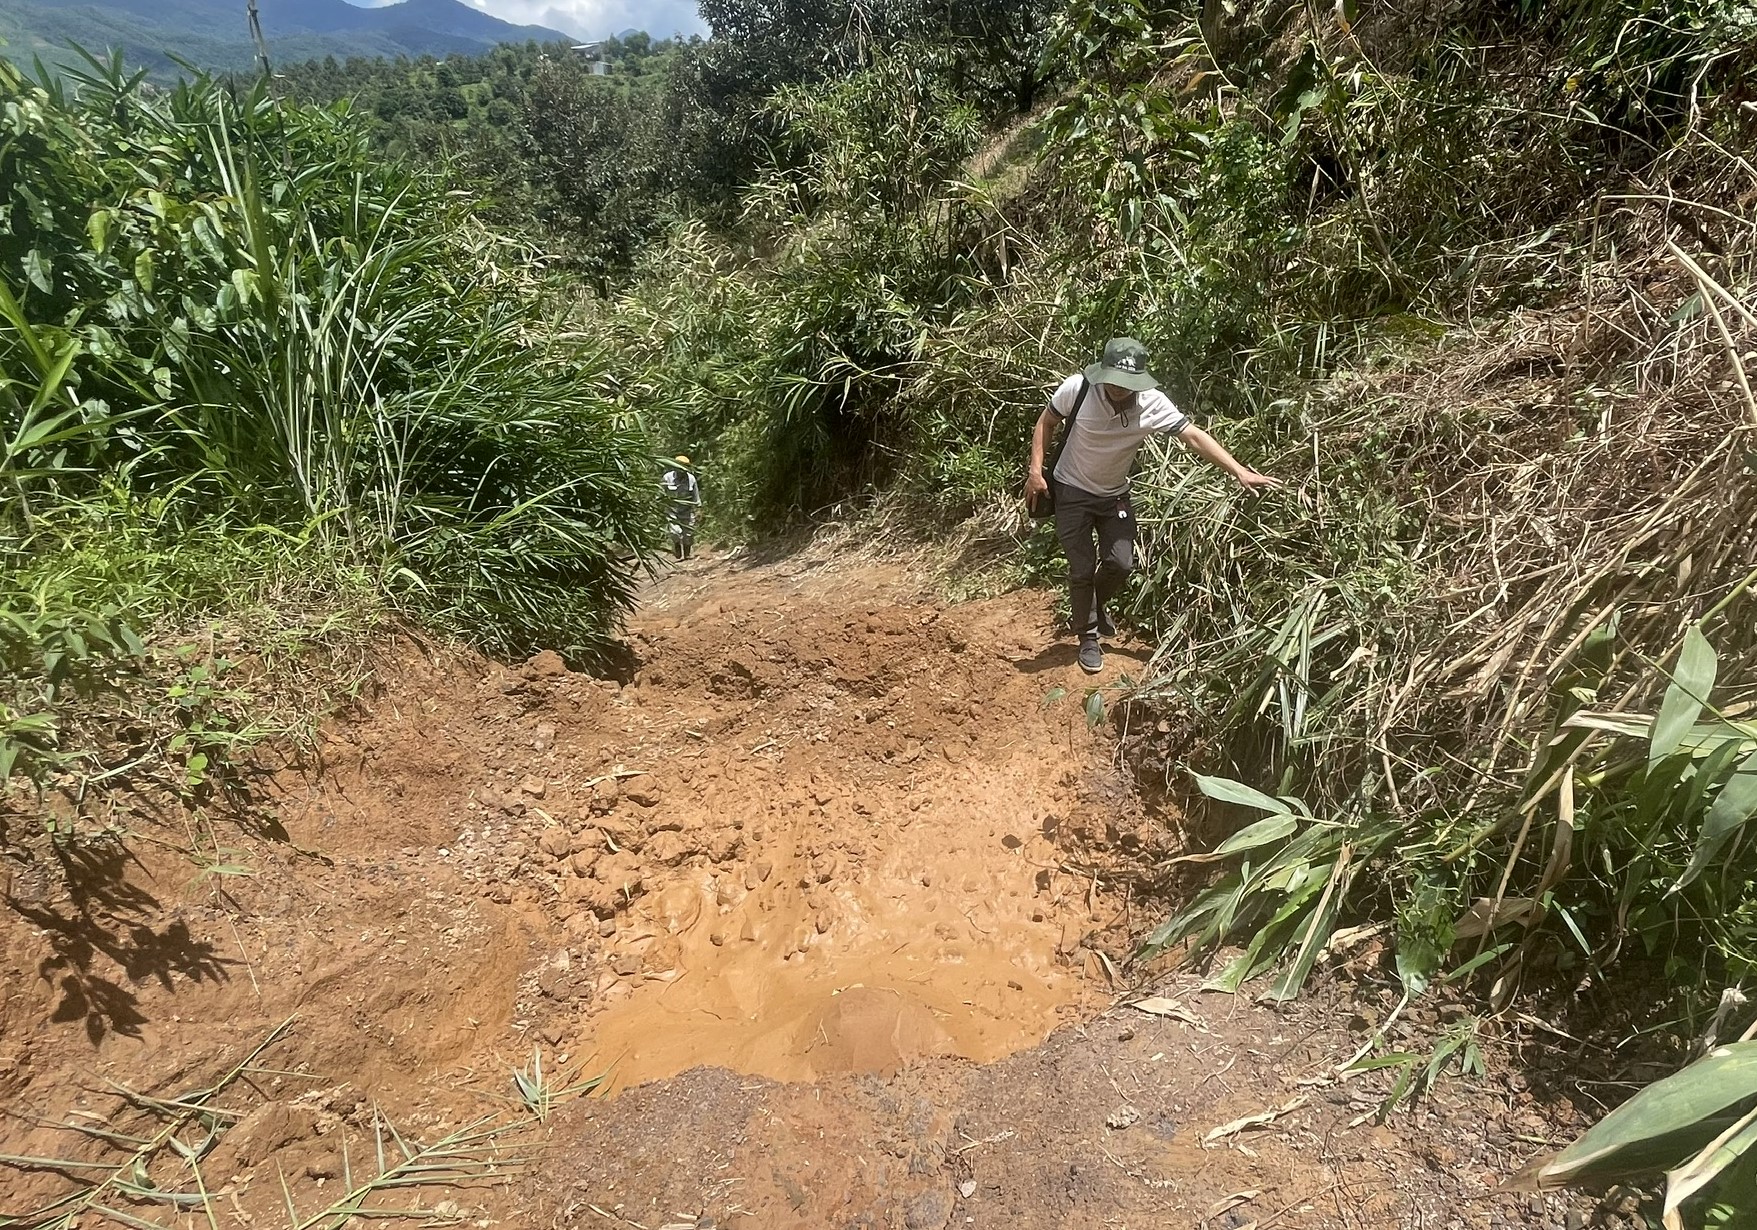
x,y
1109,409
686,497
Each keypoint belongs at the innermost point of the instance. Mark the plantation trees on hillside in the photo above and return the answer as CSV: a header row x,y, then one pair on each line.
x,y
603,163
538,137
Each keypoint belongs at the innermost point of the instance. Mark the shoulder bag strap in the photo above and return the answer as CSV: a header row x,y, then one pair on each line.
x,y
1068,426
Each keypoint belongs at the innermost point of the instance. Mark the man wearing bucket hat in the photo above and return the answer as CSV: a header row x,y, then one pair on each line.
x,y
1109,410
685,494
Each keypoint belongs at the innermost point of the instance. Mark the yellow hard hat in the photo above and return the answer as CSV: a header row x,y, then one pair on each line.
x,y
681,459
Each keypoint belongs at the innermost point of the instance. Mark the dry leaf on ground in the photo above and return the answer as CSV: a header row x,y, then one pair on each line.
x,y
1231,1202
1159,1005
1259,1119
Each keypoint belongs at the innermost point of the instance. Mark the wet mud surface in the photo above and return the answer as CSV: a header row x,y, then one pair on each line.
x,y
845,843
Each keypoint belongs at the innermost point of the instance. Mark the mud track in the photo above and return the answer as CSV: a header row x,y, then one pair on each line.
x,y
826,888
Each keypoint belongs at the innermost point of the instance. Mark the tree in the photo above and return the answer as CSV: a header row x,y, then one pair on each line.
x,y
602,158
1006,39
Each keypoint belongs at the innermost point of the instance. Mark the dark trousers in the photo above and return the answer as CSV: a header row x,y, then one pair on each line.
x,y
1096,571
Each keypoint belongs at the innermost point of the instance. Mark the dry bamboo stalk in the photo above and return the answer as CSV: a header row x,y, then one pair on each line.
x,y
1707,288
1704,278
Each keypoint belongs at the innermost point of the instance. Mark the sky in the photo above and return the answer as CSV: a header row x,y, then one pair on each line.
x,y
596,18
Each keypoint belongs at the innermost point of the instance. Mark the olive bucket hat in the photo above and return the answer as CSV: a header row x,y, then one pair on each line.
x,y
1124,365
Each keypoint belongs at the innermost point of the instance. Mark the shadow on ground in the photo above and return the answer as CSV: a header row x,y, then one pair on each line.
x,y
104,926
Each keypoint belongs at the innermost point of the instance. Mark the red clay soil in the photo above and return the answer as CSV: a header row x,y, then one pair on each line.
x,y
833,891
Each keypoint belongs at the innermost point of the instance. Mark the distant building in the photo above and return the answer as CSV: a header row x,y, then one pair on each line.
x,y
597,67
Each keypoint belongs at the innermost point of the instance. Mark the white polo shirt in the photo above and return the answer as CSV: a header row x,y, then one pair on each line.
x,y
1101,449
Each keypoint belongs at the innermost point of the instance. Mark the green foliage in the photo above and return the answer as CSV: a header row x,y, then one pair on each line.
x,y
1292,882
535,134
723,88
876,146
1697,1126
790,376
1272,196
287,331
1416,1074
603,164
604,158
1645,66
1668,823
829,276
48,659
242,356
207,730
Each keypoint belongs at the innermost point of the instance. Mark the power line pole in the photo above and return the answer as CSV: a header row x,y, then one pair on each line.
x,y
262,63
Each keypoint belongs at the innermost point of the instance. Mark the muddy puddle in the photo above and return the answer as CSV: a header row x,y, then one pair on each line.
x,y
840,855
945,930
884,791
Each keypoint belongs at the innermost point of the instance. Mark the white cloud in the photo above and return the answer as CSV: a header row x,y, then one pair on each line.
x,y
601,18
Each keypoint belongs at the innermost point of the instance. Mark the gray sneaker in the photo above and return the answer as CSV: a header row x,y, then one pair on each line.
x,y
1091,655
1106,625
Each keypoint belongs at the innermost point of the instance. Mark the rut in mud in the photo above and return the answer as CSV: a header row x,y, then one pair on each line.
x,y
824,885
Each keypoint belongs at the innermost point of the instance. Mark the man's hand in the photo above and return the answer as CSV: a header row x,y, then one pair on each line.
x,y
1250,480
1035,485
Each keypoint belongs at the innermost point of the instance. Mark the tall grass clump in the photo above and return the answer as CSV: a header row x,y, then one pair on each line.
x,y
225,321
229,305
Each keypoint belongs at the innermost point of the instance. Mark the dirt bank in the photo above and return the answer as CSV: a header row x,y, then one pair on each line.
x,y
850,849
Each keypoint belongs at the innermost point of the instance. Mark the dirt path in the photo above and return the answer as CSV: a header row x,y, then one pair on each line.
x,y
842,839
846,847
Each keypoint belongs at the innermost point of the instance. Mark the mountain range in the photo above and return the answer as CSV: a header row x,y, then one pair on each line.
x,y
215,34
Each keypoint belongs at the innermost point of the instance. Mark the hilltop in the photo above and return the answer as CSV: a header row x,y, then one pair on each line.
x,y
214,34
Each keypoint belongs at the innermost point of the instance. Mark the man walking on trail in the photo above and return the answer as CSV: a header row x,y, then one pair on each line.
x,y
686,497
1110,409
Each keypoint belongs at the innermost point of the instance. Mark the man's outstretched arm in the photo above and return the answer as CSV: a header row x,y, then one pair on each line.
x,y
1036,483
1207,447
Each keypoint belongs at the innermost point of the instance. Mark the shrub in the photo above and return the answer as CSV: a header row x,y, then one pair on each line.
x,y
229,307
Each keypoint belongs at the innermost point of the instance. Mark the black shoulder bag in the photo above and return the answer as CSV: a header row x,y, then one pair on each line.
x,y
1045,505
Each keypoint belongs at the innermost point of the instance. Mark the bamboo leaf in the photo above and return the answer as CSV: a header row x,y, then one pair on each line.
x,y
1732,808
1657,1129
1259,833
1228,791
1691,684
1702,1169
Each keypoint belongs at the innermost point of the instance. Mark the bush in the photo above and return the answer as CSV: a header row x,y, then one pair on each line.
x,y
229,307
